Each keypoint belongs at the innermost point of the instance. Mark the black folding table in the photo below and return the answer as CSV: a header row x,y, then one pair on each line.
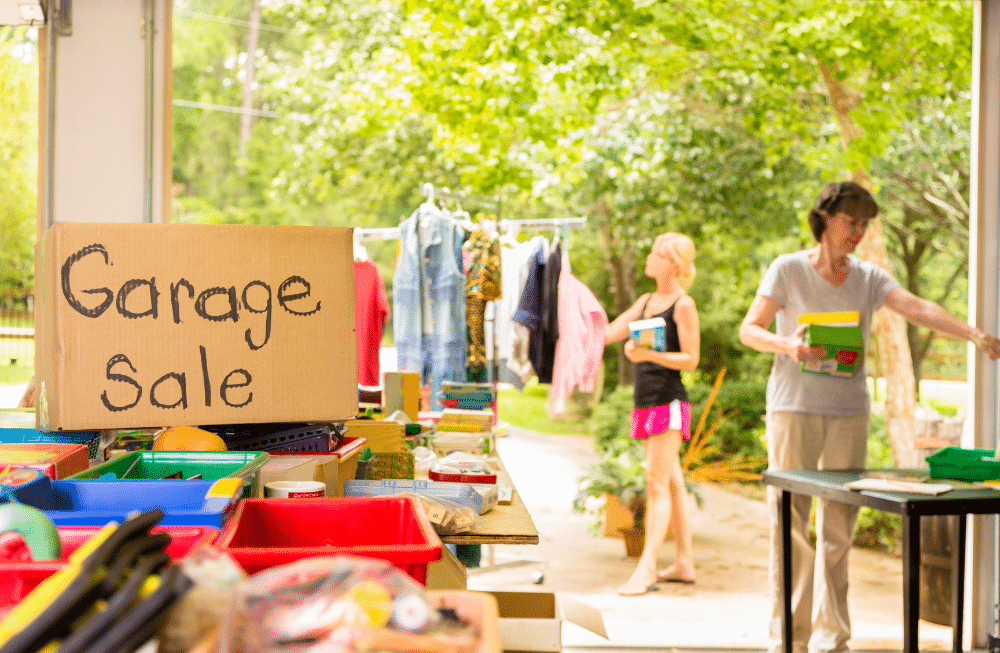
x,y
964,500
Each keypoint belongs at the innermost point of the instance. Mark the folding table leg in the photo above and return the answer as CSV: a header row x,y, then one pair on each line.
x,y
911,582
958,583
785,523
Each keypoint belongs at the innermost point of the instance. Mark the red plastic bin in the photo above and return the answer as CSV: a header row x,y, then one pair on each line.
x,y
265,533
18,578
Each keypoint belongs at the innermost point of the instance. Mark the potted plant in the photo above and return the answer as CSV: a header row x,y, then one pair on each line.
x,y
622,475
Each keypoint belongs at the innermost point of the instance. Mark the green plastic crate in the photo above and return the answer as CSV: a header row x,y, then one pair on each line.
x,y
965,464
154,465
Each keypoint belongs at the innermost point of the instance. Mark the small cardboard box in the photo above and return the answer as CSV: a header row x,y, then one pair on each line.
x,y
532,621
57,461
292,466
650,333
145,325
480,444
382,436
402,392
448,573
843,346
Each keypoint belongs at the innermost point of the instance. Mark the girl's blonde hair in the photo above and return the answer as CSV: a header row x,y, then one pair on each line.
x,y
679,249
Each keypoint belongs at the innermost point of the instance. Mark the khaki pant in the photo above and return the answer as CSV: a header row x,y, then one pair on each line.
x,y
819,580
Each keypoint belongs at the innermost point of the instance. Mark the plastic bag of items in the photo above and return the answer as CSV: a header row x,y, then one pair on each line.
x,y
340,604
217,577
423,459
447,517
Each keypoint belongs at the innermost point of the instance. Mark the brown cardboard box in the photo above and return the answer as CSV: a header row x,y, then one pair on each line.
x,y
532,621
290,466
402,392
144,325
447,573
382,436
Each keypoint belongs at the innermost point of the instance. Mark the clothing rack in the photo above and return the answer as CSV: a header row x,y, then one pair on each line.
x,y
428,191
530,224
376,233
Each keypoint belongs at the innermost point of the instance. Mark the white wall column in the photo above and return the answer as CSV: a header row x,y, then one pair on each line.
x,y
984,311
105,112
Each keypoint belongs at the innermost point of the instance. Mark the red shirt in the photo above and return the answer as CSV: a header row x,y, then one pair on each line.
x,y
372,311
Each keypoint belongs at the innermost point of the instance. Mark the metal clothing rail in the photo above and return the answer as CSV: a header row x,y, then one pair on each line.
x,y
431,193
376,233
542,223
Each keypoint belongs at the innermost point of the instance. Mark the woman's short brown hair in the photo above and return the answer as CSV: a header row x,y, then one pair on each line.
x,y
841,197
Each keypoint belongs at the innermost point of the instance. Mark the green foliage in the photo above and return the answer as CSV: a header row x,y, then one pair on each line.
x,y
621,475
707,117
742,435
18,164
527,409
943,408
15,374
609,423
621,470
877,529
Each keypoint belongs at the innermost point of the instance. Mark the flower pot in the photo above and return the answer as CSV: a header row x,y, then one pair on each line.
x,y
635,539
616,516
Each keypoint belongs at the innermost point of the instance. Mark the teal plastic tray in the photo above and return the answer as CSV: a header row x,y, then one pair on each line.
x,y
154,465
965,464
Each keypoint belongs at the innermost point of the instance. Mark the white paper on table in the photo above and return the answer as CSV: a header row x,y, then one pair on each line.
x,y
892,485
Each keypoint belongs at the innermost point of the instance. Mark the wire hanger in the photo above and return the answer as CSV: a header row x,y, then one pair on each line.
x,y
428,191
360,253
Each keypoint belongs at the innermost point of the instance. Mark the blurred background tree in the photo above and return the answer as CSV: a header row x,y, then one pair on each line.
x,y
709,117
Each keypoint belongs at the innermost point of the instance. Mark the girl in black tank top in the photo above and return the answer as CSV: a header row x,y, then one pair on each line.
x,y
661,418
656,385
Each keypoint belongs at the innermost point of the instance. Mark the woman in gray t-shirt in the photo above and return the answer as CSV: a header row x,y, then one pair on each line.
x,y
820,420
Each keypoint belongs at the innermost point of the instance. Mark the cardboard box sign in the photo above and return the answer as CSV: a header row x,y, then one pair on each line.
x,y
144,325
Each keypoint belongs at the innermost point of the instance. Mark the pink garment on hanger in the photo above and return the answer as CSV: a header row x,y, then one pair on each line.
x,y
371,313
580,348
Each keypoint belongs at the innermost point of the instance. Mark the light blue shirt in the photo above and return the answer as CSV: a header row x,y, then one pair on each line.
x,y
428,292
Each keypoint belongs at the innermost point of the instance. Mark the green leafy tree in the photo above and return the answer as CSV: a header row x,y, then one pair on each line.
x,y
18,164
720,118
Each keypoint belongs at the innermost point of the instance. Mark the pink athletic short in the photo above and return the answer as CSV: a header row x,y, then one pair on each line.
x,y
674,416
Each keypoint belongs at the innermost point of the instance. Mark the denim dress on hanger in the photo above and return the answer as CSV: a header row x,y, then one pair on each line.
x,y
428,291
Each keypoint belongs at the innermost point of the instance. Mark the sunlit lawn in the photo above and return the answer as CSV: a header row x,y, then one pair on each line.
x,y
526,409
15,374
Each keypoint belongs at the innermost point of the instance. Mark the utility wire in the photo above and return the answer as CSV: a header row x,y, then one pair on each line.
x,y
230,21
223,107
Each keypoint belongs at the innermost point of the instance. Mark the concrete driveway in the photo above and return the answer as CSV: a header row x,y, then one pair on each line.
x,y
726,608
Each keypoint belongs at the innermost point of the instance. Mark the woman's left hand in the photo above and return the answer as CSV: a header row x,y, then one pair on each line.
x,y
636,354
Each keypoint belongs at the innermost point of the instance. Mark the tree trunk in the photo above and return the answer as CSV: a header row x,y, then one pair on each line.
x,y
620,258
888,328
246,117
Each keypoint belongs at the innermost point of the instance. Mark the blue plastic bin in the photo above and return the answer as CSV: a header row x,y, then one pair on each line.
x,y
187,503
